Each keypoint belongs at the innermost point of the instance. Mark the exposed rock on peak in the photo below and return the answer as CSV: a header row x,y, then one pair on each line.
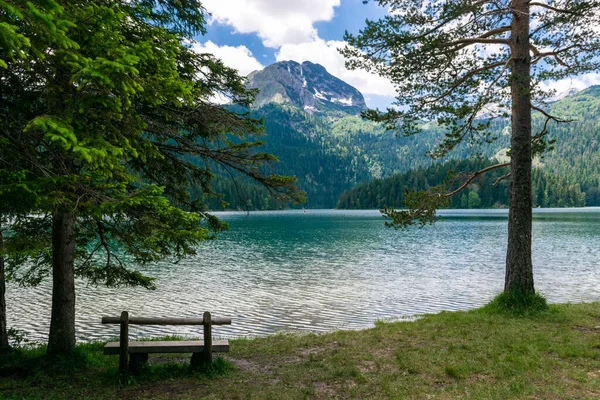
x,y
307,85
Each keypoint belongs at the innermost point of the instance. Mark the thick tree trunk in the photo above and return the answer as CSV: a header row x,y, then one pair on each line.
x,y
519,268
62,324
4,346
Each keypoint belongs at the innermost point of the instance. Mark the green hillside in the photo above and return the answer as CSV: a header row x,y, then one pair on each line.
x,y
329,153
566,176
576,157
332,152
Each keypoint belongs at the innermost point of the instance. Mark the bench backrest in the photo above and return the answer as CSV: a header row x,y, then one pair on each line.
x,y
168,321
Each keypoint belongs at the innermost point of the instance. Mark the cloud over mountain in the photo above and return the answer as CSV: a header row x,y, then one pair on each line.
x,y
238,57
276,22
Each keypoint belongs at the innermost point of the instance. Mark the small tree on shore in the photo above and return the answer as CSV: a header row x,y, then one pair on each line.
x,y
465,63
108,140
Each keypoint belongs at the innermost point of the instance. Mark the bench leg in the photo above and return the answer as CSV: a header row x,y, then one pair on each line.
x,y
198,359
205,357
137,361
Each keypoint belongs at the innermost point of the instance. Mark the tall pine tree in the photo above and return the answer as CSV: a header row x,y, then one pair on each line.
x,y
466,63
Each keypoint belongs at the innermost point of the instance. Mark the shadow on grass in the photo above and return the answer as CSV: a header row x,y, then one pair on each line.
x,y
88,363
33,360
171,371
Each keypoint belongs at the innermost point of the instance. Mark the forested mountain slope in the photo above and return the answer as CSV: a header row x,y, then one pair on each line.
x,y
330,149
576,156
329,152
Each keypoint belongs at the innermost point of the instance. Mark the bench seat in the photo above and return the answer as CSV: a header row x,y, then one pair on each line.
x,y
183,346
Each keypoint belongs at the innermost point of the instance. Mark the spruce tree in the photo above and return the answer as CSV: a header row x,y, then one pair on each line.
x,y
109,140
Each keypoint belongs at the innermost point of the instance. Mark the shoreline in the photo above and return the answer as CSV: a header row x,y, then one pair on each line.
x,y
463,354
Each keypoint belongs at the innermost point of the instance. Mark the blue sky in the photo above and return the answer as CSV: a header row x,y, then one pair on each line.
x,y
251,34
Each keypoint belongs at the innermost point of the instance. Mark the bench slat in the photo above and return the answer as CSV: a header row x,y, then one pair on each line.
x,y
183,346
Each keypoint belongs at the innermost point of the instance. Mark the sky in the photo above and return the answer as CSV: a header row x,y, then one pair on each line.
x,y
251,34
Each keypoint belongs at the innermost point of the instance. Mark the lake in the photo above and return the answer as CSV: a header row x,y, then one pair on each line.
x,y
322,270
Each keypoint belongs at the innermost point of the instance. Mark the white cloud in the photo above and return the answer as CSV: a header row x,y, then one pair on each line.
x,y
238,57
277,22
326,54
564,86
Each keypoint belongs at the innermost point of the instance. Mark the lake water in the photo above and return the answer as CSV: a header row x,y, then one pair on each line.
x,y
322,270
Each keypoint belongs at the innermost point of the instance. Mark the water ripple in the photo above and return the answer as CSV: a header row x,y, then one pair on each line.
x,y
326,270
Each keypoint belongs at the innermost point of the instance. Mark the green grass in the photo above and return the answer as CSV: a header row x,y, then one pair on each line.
x,y
517,303
488,353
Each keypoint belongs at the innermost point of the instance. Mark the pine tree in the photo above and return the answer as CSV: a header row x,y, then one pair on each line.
x,y
474,200
464,64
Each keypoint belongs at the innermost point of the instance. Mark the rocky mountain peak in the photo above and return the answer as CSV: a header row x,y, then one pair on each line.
x,y
307,85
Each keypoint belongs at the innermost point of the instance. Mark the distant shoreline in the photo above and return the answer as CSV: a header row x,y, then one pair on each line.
x,y
444,210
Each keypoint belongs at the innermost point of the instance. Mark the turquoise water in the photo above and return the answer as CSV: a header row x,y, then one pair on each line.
x,y
322,270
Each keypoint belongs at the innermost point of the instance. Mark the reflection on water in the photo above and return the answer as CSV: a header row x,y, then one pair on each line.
x,y
324,270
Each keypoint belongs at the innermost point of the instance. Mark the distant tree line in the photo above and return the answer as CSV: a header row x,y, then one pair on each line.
x,y
549,190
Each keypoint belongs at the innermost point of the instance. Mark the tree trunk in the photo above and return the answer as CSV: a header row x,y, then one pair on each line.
x,y
62,324
519,268
4,346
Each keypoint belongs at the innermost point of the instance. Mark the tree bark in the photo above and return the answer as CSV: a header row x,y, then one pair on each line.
x,y
62,324
519,267
4,346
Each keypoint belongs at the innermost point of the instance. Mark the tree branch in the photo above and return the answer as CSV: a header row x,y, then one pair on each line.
x,y
534,49
483,39
449,19
503,177
103,242
556,54
489,89
537,144
549,116
464,78
473,176
551,8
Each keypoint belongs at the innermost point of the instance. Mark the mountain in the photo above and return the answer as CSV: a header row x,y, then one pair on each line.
x,y
307,86
330,149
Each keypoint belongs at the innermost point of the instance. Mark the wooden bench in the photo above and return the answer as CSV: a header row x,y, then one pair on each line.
x,y
137,352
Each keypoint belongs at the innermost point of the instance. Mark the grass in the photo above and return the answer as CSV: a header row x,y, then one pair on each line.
x,y
487,353
517,303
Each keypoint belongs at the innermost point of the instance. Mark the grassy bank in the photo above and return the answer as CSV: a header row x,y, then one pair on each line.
x,y
475,355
